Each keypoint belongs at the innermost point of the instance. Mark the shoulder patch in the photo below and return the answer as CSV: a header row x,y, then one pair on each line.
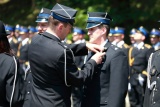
x,y
63,45
114,47
147,46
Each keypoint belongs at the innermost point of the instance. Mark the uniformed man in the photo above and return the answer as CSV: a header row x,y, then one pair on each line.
x,y
12,38
17,35
152,89
52,62
119,34
152,95
110,35
22,52
131,36
138,64
32,31
78,37
11,94
42,24
108,87
42,20
154,38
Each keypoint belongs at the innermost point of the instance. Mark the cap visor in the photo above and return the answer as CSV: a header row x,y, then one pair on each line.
x,y
91,25
41,20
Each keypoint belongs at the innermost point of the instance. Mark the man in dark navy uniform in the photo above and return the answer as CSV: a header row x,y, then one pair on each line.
x,y
154,39
110,35
131,36
119,34
12,38
42,20
152,92
52,63
11,85
108,87
138,63
78,37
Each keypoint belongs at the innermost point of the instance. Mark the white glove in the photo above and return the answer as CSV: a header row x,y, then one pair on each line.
x,y
129,87
140,79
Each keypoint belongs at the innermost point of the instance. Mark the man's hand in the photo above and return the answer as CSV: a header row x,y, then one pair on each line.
x,y
98,57
94,47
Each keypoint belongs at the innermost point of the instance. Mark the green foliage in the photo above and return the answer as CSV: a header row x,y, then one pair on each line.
x,y
125,13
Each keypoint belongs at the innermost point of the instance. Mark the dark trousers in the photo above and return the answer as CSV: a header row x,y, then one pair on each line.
x,y
136,96
76,96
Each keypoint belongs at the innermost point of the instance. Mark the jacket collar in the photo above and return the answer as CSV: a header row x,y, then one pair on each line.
x,y
51,36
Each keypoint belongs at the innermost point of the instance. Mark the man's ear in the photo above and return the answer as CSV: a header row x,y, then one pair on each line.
x,y
122,35
60,26
104,30
143,37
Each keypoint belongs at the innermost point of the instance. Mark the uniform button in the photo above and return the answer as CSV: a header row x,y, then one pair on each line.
x,y
105,101
29,82
28,92
157,77
154,102
156,89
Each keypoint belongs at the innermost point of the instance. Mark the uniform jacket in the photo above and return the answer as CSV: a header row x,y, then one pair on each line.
x,y
47,61
139,61
22,52
7,72
14,44
152,93
108,87
28,85
123,46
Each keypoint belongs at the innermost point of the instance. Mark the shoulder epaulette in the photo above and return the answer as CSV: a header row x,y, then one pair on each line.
x,y
147,45
29,41
157,50
15,40
126,46
68,41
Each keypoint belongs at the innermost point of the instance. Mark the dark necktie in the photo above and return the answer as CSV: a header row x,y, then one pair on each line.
x,y
90,54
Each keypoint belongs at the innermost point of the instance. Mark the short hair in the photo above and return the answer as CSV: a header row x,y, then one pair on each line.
x,y
106,26
54,22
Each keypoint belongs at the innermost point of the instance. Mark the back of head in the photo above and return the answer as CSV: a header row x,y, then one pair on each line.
x,y
4,44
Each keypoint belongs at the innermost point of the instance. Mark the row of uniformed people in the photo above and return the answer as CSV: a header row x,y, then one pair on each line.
x,y
138,55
